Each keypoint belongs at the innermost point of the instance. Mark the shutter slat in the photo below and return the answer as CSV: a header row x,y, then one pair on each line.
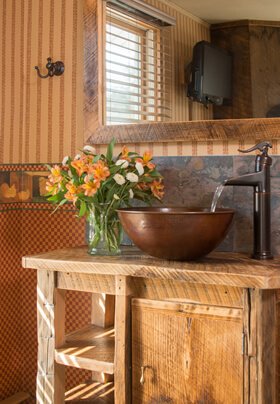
x,y
109,52
122,83
158,68
132,112
143,96
143,104
130,76
147,98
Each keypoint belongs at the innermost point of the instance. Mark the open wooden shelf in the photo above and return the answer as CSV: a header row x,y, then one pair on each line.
x,y
90,348
94,392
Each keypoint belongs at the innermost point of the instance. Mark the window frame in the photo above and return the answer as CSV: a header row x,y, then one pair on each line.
x,y
142,32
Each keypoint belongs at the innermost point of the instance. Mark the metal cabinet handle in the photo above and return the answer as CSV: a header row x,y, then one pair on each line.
x,y
142,378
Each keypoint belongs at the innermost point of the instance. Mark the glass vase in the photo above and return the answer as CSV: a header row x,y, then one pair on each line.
x,y
104,232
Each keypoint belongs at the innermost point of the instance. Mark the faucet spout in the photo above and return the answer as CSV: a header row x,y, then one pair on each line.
x,y
260,180
256,179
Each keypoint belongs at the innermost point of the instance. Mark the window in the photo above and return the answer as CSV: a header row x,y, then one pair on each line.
x,y
137,70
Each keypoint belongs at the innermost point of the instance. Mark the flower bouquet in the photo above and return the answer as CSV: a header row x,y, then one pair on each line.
x,y
98,185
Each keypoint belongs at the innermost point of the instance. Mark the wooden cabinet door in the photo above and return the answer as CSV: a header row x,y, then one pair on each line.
x,y
186,353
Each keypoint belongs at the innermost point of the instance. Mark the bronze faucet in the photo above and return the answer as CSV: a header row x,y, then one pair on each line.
x,y
260,180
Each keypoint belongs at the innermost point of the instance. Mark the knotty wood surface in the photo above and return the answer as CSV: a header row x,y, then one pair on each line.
x,y
223,129
232,269
189,357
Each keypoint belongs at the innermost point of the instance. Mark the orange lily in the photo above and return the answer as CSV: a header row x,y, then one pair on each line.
x,y
79,166
55,175
90,187
124,155
146,160
52,187
100,171
157,189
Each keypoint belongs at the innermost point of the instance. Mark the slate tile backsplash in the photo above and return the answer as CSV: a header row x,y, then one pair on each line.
x,y
191,181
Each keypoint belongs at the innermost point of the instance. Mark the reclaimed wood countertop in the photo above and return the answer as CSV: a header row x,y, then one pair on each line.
x,y
218,268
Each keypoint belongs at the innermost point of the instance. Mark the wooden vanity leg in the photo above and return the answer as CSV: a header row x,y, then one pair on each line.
x,y
102,314
122,341
50,318
260,327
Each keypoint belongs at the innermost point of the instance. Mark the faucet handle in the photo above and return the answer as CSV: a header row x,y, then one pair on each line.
x,y
262,147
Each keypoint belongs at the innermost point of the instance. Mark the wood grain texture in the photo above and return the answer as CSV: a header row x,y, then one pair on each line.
x,y
102,309
185,358
278,352
265,68
50,315
236,40
102,315
261,349
255,47
86,283
91,348
228,269
266,347
167,289
197,131
123,342
94,392
91,65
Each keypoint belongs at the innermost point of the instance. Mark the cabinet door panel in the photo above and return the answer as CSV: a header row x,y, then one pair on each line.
x,y
186,353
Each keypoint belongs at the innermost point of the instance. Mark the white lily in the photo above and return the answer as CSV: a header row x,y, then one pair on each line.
x,y
120,180
89,149
122,162
116,197
132,177
64,161
139,168
131,194
77,157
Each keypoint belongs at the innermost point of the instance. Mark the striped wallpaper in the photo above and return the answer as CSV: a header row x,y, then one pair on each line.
x,y
184,35
41,120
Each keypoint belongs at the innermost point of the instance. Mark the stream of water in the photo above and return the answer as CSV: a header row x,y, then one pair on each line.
x,y
216,197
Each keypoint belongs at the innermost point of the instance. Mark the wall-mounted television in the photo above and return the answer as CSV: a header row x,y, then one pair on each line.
x,y
210,75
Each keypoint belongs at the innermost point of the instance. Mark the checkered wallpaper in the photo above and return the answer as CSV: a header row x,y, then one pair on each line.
x,y
27,229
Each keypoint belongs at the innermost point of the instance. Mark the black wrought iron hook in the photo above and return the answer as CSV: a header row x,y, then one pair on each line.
x,y
54,69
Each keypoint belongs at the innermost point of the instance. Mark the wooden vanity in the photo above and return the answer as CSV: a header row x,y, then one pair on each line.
x,y
170,332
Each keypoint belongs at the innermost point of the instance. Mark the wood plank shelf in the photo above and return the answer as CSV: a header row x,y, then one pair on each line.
x,y
91,348
94,392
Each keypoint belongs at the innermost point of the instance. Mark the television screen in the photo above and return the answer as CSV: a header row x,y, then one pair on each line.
x,y
211,74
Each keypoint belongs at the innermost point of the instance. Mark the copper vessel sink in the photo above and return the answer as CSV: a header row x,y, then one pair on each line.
x,y
176,233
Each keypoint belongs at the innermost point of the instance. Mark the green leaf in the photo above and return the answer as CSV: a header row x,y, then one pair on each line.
x,y
63,202
54,198
96,158
110,149
114,169
155,173
83,208
146,179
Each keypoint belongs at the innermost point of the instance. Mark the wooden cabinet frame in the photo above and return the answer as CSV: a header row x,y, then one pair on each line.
x,y
222,285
